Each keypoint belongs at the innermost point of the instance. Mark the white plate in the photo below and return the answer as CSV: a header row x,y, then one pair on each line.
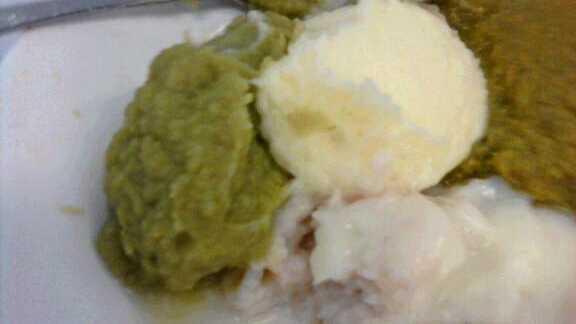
x,y
63,90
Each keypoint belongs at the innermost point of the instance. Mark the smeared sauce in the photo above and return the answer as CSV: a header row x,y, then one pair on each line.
x,y
528,53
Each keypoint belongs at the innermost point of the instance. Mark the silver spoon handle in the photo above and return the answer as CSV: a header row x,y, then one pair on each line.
x,y
23,15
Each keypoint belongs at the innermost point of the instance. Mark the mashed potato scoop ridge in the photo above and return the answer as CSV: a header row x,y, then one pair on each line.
x,y
373,98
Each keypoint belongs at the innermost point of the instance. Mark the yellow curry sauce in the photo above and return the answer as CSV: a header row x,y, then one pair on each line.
x,y
527,50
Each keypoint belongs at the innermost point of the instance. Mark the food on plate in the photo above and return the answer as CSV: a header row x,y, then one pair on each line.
x,y
378,97
527,52
301,161
476,254
480,253
192,186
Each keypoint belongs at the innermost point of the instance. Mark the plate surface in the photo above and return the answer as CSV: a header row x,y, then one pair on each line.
x,y
63,90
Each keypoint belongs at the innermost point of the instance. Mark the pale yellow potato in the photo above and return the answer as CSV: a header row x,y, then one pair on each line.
x,y
373,98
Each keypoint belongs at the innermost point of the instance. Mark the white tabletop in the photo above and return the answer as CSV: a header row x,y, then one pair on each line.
x,y
63,89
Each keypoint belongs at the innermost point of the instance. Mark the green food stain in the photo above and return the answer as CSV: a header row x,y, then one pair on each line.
x,y
290,8
307,123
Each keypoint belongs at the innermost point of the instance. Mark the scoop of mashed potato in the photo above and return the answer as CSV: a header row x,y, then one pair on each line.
x,y
480,253
474,254
377,97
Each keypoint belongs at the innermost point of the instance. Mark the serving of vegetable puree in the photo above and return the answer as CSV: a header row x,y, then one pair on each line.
x,y
527,49
191,185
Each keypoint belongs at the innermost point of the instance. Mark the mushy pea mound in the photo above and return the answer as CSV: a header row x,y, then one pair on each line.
x,y
528,52
191,185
